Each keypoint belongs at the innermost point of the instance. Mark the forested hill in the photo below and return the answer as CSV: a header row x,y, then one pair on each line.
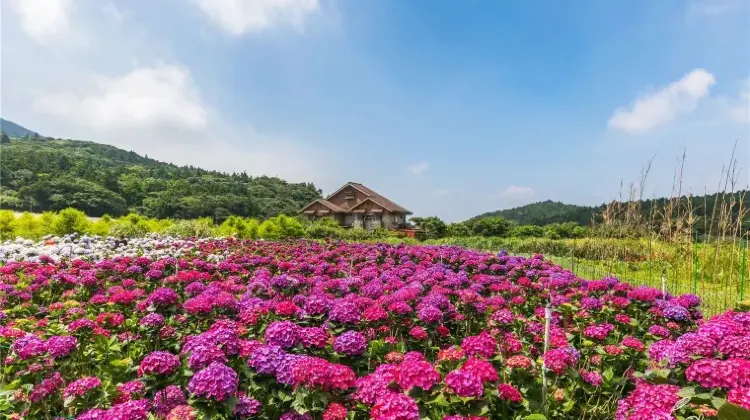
x,y
545,213
41,173
548,212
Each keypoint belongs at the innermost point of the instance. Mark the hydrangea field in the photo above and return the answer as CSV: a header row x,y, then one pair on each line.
x,y
228,329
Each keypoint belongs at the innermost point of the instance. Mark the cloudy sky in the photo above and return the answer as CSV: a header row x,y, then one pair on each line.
x,y
450,108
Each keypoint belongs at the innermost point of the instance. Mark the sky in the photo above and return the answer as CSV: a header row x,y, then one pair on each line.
x,y
449,108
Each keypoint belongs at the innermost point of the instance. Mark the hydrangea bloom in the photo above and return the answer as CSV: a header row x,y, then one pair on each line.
x,y
61,346
217,382
350,343
393,406
159,363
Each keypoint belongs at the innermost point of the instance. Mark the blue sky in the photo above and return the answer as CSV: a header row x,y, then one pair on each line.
x,y
449,108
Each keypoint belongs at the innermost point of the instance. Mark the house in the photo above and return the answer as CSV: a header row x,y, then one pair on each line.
x,y
357,206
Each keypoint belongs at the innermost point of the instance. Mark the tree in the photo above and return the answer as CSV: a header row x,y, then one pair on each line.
x,y
458,230
434,227
490,226
4,139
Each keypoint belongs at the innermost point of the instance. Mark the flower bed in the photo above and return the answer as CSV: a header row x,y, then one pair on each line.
x,y
304,330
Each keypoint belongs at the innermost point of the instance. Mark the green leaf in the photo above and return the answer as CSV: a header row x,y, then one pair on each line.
x,y
536,416
608,374
733,412
718,402
687,392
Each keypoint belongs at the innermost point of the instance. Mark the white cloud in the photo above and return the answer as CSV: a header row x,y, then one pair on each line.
x,y
419,168
242,16
664,105
44,20
516,194
739,110
713,7
145,97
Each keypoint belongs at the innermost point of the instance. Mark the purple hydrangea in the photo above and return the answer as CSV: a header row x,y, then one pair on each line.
x,y
350,343
284,334
345,312
152,320
676,313
168,398
218,381
430,314
246,407
266,359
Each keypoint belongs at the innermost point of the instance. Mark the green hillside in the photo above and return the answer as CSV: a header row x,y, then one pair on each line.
x,y
545,213
14,130
41,173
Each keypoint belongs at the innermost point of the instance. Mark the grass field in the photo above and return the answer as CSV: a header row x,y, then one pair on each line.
x,y
716,272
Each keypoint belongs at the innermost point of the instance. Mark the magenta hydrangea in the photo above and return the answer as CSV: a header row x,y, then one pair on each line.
x,y
416,373
464,383
59,346
394,406
81,386
159,363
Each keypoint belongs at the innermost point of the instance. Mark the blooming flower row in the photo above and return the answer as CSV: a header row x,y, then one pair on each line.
x,y
294,330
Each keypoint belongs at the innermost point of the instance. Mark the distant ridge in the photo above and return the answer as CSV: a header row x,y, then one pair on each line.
x,y
545,213
15,130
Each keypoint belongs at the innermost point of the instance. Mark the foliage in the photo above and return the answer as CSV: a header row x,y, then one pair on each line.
x,y
42,174
434,227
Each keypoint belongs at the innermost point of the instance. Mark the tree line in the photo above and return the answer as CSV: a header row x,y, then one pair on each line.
x,y
44,174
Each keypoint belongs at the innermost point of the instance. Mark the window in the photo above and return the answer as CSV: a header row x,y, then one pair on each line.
x,y
349,195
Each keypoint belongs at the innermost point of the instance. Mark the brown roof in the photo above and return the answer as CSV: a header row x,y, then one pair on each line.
x,y
371,195
328,204
380,200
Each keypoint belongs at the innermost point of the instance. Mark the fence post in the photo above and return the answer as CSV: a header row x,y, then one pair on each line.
x,y
663,283
547,323
695,264
742,270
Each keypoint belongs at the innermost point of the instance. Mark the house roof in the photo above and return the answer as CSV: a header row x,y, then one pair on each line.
x,y
326,203
371,195
380,200
375,197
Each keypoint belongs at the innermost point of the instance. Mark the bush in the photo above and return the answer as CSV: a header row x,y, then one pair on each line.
x,y
198,228
7,224
69,221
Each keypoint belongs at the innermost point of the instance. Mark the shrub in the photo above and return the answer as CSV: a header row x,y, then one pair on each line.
x,y
69,221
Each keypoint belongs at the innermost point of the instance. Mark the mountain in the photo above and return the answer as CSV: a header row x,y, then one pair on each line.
x,y
706,209
14,130
545,213
42,173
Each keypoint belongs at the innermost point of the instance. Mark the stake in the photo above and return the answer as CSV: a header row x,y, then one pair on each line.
x,y
547,322
663,283
742,271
